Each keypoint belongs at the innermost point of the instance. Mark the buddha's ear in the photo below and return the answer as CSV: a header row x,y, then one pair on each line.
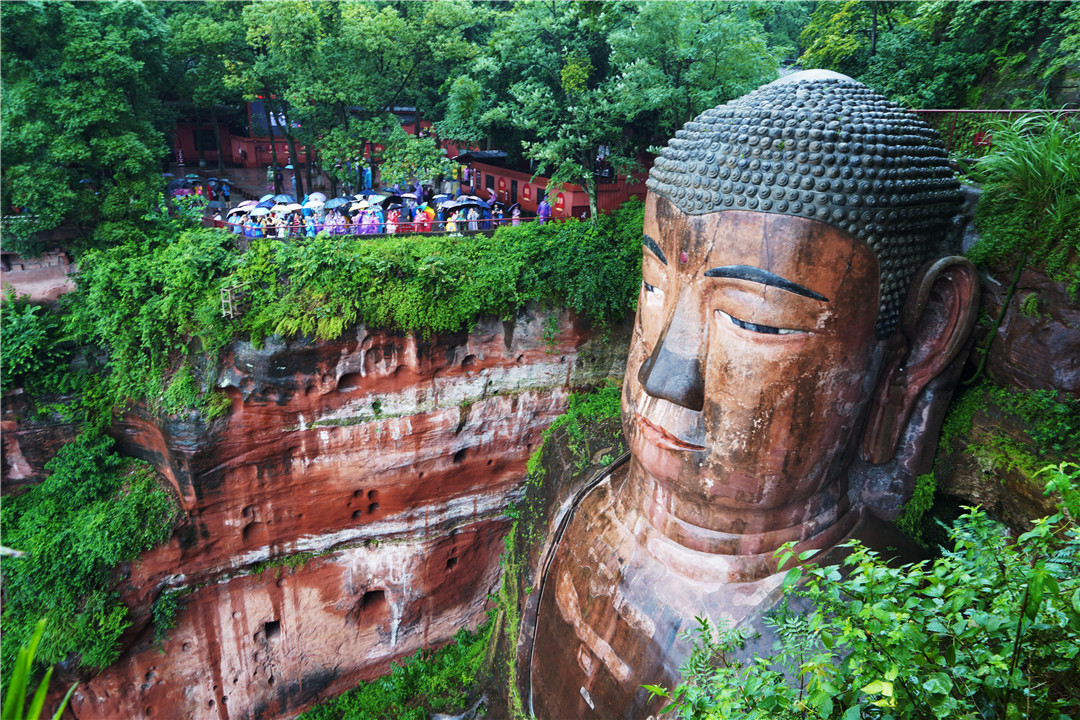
x,y
937,319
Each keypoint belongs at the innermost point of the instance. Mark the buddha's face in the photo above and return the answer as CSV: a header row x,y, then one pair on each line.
x,y
753,354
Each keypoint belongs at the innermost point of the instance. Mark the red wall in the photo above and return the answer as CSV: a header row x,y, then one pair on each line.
x,y
185,139
575,199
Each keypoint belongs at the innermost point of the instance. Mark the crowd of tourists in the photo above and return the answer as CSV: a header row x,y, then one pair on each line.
x,y
410,209
370,213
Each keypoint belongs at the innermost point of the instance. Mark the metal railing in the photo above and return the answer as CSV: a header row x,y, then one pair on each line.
x,y
969,133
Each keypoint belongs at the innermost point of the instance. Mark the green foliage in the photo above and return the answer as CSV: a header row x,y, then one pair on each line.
x,y
944,54
94,511
990,629
560,80
32,344
407,158
583,412
81,113
1031,196
292,562
1051,422
15,702
427,682
164,612
911,515
441,284
154,306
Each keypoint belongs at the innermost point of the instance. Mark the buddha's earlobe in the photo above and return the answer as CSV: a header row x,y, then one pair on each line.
x,y
937,319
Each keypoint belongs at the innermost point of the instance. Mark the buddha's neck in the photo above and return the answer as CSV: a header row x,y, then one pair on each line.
x,y
746,539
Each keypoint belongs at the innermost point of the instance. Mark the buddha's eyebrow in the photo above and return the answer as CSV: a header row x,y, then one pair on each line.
x,y
651,244
753,274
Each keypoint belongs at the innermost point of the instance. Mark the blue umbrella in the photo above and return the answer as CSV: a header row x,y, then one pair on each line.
x,y
266,204
337,202
283,198
264,198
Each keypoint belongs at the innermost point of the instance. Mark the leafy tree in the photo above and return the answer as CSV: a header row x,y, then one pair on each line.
x,y
203,37
81,115
946,54
683,58
991,629
844,36
406,158
560,81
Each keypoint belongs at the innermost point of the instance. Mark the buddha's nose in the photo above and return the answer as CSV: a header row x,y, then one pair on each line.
x,y
674,371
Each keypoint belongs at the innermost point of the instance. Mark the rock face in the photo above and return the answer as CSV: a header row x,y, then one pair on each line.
x,y
377,468
1038,343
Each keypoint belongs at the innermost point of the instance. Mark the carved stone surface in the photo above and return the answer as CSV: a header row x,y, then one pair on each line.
x,y
1039,349
773,345
391,459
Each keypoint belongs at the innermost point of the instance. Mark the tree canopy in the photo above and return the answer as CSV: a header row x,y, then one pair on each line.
x,y
83,122
91,91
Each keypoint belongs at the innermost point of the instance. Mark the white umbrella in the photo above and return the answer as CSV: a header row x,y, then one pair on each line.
x,y
313,204
247,204
317,196
279,208
259,211
292,207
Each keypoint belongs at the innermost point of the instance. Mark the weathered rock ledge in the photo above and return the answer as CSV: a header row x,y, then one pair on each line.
x,y
377,467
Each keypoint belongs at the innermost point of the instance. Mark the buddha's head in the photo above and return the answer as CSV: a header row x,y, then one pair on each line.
x,y
794,303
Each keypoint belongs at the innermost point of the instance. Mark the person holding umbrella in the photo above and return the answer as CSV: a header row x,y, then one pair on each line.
x,y
543,210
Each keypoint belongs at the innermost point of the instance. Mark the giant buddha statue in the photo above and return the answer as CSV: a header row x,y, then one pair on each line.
x,y
795,341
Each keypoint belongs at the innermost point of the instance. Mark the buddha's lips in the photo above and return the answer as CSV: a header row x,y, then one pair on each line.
x,y
662,438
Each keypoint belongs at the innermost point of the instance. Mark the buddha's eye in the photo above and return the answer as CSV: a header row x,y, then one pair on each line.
x,y
754,327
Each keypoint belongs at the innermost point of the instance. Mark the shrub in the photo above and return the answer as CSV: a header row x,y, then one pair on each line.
x,y
94,511
32,336
429,681
991,629
1031,196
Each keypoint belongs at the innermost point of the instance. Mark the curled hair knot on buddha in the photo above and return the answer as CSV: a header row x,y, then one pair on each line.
x,y
821,146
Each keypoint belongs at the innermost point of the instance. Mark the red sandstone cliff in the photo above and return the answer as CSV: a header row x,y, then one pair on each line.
x,y
390,458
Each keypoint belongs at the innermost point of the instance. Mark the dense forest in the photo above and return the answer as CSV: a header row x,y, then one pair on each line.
x,y
92,91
